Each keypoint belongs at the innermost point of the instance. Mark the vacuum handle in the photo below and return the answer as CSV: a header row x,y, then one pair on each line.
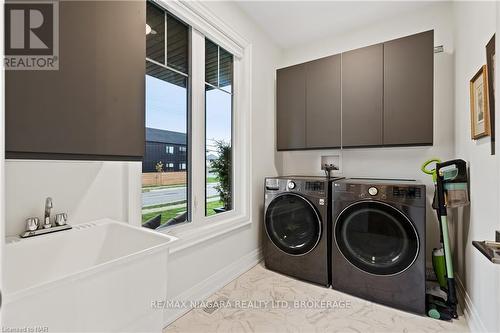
x,y
451,162
431,172
461,165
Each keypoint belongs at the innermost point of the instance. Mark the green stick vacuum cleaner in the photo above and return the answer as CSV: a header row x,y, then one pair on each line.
x,y
451,190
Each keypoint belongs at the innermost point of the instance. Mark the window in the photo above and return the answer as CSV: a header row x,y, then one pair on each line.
x,y
165,194
198,101
218,129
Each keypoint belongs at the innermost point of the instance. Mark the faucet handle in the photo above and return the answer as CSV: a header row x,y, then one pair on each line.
x,y
61,219
32,223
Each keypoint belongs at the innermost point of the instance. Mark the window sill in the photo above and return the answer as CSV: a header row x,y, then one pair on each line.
x,y
191,234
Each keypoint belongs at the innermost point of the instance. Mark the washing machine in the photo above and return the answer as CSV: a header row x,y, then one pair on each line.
x,y
378,241
296,227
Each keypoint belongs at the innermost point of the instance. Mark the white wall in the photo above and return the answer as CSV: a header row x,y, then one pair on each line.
x,y
390,162
85,190
475,23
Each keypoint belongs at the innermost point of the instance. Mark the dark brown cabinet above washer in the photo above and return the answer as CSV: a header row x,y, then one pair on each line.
x,y
380,95
409,90
308,105
291,105
93,106
362,96
323,107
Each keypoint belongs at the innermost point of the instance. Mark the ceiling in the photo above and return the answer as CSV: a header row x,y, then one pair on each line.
x,y
291,23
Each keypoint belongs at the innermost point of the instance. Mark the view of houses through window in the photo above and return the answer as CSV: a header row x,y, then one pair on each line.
x,y
165,167
164,178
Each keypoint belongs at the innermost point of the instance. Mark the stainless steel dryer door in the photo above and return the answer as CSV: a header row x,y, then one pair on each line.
x,y
293,224
376,238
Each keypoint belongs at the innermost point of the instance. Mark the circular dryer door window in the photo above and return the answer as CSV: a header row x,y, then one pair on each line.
x,y
377,238
293,224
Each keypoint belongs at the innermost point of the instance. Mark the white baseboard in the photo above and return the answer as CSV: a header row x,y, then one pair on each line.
x,y
212,284
470,312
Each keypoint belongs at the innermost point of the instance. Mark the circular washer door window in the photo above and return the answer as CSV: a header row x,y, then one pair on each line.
x,y
376,238
293,224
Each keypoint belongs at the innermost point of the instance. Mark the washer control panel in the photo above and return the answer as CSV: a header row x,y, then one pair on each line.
x,y
310,186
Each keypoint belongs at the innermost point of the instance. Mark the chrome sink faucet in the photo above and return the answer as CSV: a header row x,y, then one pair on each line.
x,y
33,227
48,207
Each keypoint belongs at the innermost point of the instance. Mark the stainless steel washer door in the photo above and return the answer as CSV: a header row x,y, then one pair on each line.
x,y
376,238
293,224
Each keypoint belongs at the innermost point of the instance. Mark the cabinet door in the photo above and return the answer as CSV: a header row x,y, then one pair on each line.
x,y
408,90
93,106
362,97
323,103
291,107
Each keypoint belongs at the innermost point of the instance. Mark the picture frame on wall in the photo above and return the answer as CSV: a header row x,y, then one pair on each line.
x,y
490,65
480,117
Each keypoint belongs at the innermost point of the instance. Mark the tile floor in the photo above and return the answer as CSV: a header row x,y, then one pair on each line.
x,y
339,312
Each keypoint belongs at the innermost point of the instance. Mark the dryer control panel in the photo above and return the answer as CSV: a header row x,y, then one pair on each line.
x,y
404,192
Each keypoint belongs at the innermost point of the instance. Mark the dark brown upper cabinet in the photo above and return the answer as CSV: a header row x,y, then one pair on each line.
x,y
291,107
323,103
409,90
362,97
308,105
93,106
380,95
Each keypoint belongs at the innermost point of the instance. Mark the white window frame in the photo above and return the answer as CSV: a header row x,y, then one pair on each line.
x,y
169,149
204,24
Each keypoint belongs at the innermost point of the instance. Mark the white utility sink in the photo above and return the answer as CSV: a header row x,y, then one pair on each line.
x,y
101,276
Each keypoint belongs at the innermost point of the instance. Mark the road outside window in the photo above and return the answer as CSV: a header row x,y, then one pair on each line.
x,y
164,178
